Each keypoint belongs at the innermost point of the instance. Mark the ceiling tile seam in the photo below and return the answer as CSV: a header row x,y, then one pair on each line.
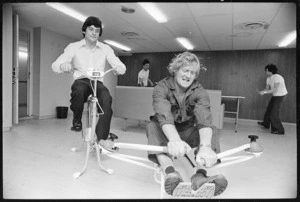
x,y
207,44
279,7
140,31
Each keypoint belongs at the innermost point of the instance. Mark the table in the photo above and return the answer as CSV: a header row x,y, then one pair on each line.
x,y
237,98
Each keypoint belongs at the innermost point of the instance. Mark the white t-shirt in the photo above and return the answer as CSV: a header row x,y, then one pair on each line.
x,y
144,75
276,78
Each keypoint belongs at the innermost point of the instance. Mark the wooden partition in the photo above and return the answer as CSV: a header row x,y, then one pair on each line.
x,y
235,73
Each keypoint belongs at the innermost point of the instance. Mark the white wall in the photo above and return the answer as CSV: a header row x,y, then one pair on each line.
x,y
7,67
55,88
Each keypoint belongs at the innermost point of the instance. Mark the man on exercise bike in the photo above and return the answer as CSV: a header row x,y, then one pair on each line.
x,y
182,121
85,54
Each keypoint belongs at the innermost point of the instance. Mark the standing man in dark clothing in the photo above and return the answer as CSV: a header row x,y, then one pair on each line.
x,y
276,86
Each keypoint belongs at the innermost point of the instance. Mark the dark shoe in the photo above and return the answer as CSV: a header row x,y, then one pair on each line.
x,y
200,178
262,124
112,137
277,132
171,182
77,126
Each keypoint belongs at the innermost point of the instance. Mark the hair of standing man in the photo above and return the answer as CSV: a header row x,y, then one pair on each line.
x,y
271,68
146,62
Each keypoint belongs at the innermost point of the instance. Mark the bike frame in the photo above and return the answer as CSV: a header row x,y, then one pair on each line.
x,y
89,136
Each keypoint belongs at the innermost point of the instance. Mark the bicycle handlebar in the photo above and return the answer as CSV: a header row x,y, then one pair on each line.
x,y
94,75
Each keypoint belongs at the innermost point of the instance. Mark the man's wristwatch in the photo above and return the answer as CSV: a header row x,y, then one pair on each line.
x,y
205,145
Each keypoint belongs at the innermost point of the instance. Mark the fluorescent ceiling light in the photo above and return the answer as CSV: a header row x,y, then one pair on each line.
x,y
185,43
288,39
154,12
66,10
113,43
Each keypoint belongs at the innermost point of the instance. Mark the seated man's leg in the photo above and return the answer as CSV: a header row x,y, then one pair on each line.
x,y
105,101
200,177
156,137
80,91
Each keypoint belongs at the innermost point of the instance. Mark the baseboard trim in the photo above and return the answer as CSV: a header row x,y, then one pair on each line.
x,y
6,129
232,120
70,114
26,118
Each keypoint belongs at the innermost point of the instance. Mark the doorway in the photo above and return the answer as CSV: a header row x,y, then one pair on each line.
x,y
24,73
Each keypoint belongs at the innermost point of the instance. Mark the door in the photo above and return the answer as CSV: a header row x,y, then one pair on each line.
x,y
15,71
24,73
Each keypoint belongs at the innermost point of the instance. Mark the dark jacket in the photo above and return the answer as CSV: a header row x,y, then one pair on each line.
x,y
195,109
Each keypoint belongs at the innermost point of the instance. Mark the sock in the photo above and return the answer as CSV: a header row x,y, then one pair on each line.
x,y
169,170
202,171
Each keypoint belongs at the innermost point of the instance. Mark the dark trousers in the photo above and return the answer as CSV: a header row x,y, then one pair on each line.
x,y
190,135
272,114
81,89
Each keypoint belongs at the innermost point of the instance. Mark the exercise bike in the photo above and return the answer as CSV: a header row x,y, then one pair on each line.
x,y
111,148
88,134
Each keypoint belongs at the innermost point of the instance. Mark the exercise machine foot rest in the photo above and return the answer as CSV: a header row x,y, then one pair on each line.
x,y
184,190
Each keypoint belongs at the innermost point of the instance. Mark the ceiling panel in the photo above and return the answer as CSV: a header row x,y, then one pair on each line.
x,y
247,42
152,46
154,30
209,26
186,27
219,42
215,25
285,20
210,9
271,40
175,11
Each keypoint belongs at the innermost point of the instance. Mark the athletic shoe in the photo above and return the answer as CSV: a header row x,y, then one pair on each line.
x,y
171,182
77,125
200,178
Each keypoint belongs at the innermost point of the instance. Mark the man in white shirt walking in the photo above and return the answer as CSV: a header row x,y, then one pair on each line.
x,y
87,54
276,86
143,76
